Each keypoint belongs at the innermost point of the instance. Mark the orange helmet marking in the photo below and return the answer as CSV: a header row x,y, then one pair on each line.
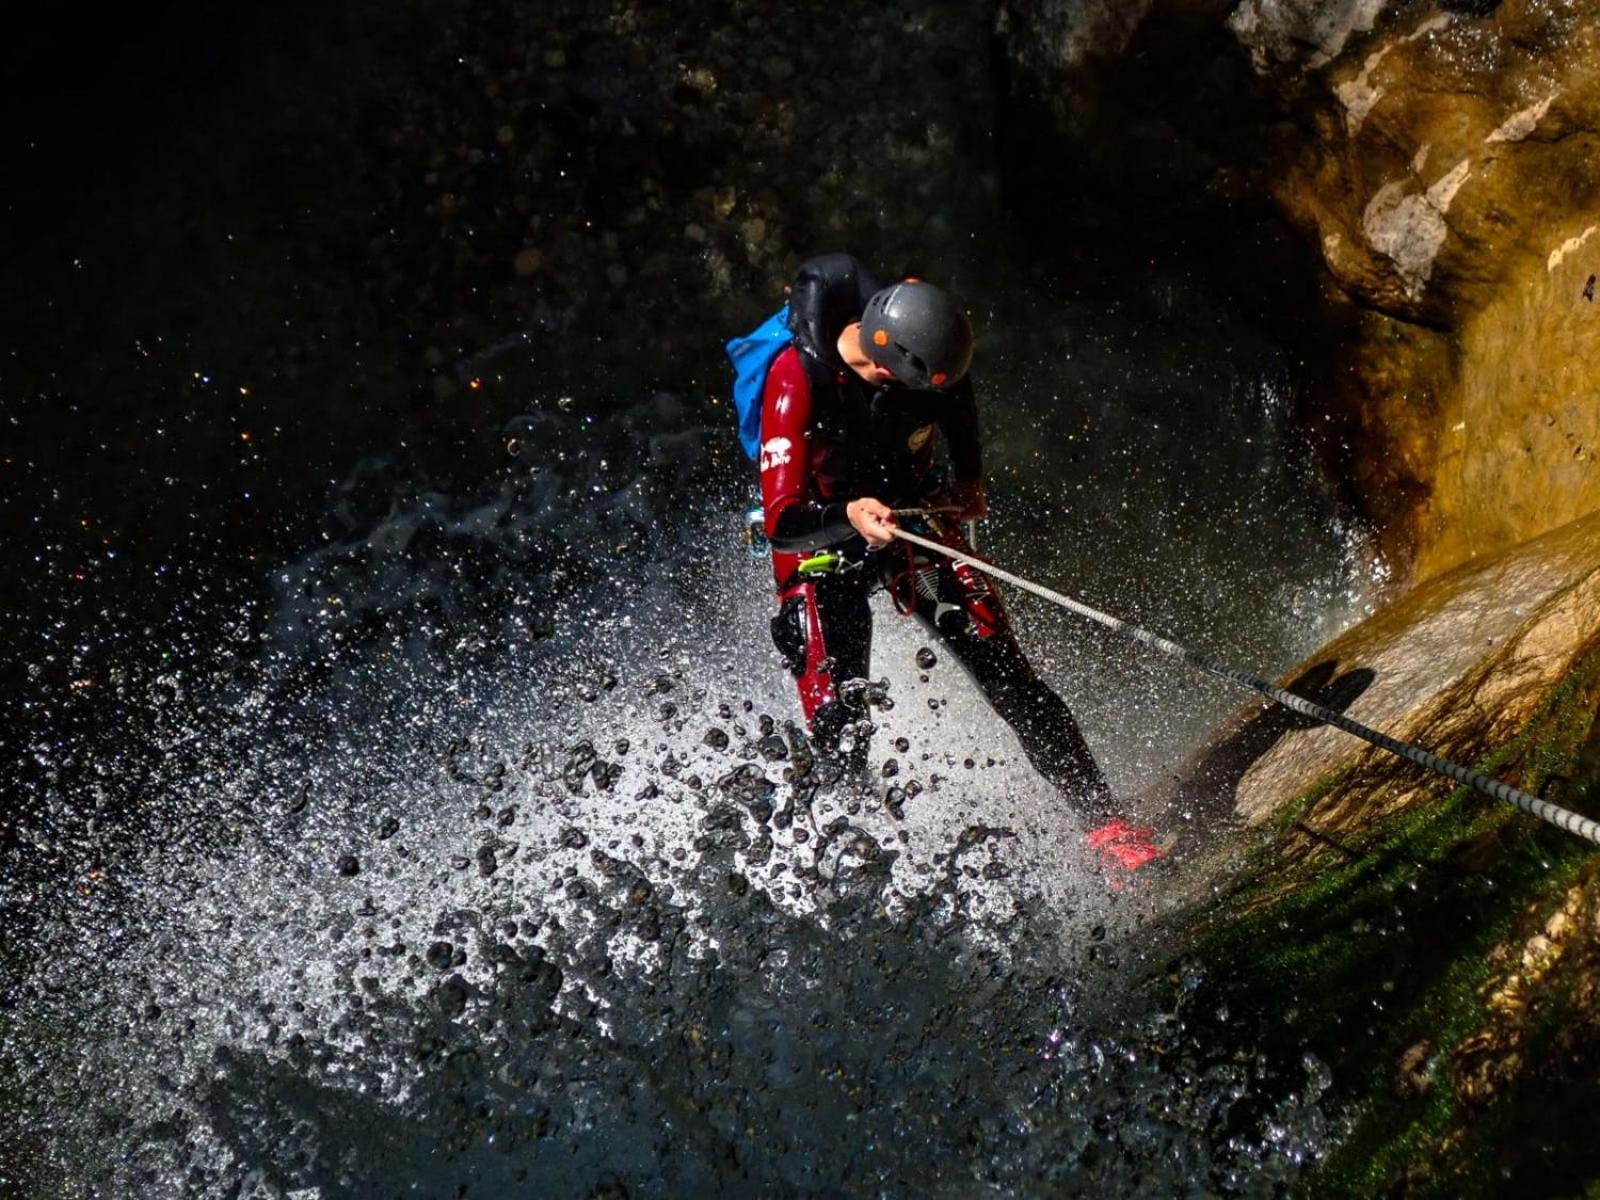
x,y
938,378
880,338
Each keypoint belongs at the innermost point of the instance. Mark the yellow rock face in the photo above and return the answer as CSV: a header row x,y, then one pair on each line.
x,y
1453,185
1443,163
1521,438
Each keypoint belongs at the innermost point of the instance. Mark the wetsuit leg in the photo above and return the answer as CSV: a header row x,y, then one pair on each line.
x,y
963,609
1041,720
824,632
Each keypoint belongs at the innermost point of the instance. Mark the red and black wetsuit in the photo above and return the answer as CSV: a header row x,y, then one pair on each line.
x,y
829,437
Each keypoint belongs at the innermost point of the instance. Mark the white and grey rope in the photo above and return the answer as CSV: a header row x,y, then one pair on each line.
x,y
1560,817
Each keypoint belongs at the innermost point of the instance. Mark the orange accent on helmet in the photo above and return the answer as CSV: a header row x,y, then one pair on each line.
x,y
880,338
912,279
938,378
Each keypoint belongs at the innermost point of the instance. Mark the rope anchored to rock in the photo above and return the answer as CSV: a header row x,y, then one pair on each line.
x,y
1560,817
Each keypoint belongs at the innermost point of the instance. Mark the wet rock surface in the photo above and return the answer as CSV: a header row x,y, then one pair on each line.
x,y
1460,664
1456,931
1436,164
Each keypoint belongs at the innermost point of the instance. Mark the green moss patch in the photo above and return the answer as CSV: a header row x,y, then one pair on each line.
x,y
1361,958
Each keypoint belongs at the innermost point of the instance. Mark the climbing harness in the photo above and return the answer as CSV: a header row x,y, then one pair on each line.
x,y
913,580
1560,817
968,528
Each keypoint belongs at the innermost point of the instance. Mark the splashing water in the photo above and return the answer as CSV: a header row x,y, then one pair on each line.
x,y
503,867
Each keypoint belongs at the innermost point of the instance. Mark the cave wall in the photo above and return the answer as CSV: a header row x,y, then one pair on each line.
x,y
257,275
1440,164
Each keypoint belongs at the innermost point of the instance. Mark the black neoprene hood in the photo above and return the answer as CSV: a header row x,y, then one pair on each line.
x,y
829,293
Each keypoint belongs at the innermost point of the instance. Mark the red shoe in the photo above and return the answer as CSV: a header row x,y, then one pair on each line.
x,y
1123,849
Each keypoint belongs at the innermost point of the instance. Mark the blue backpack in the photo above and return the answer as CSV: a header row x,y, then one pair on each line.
x,y
752,356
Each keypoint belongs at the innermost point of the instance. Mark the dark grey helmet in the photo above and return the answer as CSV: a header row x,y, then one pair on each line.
x,y
915,330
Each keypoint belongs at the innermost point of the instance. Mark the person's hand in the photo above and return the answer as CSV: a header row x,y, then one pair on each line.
x,y
872,519
966,497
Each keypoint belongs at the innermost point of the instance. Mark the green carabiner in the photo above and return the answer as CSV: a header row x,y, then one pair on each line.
x,y
824,563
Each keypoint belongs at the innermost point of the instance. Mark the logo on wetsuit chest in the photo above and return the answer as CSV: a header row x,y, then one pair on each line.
x,y
919,438
775,452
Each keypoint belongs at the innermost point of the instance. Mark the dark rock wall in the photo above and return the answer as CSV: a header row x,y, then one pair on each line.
x,y
244,254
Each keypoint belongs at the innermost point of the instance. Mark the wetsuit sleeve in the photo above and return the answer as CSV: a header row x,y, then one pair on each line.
x,y
961,437
795,522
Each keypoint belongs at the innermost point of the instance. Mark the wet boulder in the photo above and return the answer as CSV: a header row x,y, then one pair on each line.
x,y
1460,666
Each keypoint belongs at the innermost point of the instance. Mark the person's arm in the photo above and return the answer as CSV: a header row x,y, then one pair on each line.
x,y
795,523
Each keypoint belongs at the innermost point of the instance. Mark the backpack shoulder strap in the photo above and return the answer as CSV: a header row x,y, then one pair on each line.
x,y
752,356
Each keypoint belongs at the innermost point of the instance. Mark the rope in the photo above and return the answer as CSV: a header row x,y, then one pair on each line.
x,y
1560,817
936,510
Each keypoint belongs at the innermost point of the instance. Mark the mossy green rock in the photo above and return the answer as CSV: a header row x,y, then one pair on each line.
x,y
1438,949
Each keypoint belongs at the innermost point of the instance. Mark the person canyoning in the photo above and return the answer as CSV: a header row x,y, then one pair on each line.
x,y
858,378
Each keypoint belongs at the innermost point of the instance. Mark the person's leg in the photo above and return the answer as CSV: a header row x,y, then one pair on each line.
x,y
963,609
1043,723
823,630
